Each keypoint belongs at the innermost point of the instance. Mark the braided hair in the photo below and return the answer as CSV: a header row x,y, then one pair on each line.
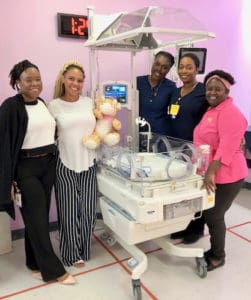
x,y
17,70
59,89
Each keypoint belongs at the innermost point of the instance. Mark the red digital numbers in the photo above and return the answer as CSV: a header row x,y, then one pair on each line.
x,y
72,26
79,26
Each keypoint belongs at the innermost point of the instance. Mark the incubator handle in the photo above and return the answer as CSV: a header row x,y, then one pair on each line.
x,y
125,167
190,150
165,142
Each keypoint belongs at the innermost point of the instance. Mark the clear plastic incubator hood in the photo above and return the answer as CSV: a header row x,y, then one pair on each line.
x,y
147,28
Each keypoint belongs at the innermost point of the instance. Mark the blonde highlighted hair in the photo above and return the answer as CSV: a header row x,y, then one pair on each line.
x,y
59,89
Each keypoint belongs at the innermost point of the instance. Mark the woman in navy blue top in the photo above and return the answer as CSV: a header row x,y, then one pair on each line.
x,y
155,93
188,103
187,106
192,106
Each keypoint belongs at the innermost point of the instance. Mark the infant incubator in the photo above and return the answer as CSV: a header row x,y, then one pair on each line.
x,y
149,193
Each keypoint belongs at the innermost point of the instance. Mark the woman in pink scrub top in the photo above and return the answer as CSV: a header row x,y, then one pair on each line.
x,y
222,127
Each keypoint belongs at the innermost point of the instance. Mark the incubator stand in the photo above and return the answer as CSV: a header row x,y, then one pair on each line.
x,y
135,191
148,195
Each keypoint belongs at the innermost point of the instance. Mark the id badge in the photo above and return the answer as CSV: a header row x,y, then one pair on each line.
x,y
18,196
18,199
174,109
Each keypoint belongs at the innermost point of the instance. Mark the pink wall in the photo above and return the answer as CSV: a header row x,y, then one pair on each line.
x,y
30,32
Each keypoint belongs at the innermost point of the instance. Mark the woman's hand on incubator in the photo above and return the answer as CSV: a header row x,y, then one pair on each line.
x,y
208,183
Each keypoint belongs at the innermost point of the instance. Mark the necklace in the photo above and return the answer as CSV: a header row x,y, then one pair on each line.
x,y
155,91
174,108
184,93
34,102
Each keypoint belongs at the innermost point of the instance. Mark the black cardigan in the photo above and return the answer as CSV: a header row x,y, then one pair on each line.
x,y
13,125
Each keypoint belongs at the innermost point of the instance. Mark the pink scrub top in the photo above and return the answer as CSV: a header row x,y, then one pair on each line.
x,y
223,127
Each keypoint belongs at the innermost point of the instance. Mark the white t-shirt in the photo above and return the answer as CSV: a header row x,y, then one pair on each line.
x,y
41,126
75,120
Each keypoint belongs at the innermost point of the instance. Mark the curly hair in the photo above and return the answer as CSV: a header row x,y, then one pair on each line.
x,y
59,89
228,77
17,70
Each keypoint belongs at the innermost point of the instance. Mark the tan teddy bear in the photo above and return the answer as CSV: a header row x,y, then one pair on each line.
x,y
107,126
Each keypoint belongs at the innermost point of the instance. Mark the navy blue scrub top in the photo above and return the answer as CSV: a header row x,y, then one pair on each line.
x,y
153,103
192,108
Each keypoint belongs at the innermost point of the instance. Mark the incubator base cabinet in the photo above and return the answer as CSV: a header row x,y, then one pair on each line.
x,y
5,233
148,195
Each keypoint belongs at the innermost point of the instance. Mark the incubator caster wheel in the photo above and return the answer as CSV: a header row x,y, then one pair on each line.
x,y
136,286
201,267
104,236
110,241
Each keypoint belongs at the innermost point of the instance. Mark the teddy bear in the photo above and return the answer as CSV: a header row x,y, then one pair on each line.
x,y
107,126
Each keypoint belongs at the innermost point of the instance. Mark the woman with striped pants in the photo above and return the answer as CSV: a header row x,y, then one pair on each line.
x,y
76,183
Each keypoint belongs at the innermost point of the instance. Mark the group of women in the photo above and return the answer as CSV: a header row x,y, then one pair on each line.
x,y
31,162
205,114
42,147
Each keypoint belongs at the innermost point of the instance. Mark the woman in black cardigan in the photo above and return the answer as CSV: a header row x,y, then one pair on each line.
x,y
27,162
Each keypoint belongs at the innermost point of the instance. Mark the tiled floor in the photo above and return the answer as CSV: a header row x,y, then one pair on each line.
x,y
107,277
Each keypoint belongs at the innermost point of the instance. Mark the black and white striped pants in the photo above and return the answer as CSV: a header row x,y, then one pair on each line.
x,y
76,197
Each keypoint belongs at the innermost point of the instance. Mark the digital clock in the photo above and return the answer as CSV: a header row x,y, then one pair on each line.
x,y
73,26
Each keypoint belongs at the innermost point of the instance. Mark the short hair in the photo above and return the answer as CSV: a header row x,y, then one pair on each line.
x,y
227,76
193,57
167,55
17,70
59,89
